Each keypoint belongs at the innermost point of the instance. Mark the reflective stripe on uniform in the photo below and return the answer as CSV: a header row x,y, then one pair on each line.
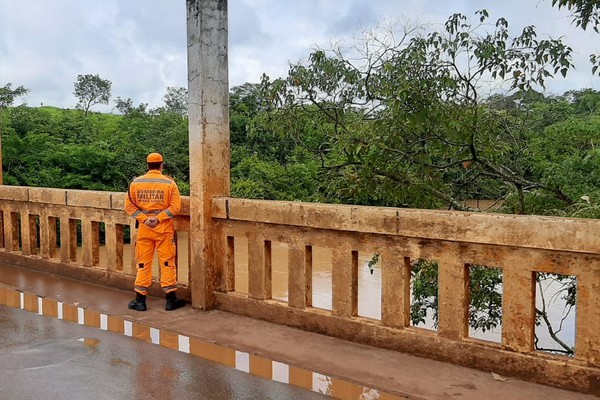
x,y
169,213
152,180
169,288
151,212
135,214
141,289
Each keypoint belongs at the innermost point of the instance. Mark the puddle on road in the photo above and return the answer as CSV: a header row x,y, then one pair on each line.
x,y
242,361
90,342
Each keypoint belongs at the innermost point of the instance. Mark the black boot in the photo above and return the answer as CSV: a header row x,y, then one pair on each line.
x,y
173,303
139,304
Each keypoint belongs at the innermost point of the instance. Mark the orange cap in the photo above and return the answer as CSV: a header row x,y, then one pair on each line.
x,y
154,158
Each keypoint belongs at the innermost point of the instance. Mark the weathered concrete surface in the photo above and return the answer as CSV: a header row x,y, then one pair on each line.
x,y
45,358
551,233
398,373
208,111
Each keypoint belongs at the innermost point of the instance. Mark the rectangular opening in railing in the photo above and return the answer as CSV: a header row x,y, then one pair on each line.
x,y
280,263
183,258
53,238
369,285
555,309
240,264
424,294
485,302
78,241
322,282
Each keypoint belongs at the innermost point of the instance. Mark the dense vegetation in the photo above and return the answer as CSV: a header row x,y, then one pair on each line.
x,y
550,141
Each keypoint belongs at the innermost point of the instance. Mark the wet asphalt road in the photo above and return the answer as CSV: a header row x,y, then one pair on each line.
x,y
45,359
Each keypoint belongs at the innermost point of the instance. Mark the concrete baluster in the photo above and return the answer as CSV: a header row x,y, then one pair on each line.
x,y
453,307
72,240
395,289
345,282
52,235
91,242
27,236
587,336
259,268
44,235
33,235
299,275
220,248
2,215
518,307
114,246
86,242
64,239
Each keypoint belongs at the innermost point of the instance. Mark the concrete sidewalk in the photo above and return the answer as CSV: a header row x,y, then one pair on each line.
x,y
387,371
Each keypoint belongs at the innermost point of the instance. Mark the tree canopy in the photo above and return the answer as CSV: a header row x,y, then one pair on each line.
x,y
585,12
91,90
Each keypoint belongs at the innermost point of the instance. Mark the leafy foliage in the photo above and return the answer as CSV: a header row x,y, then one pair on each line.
x,y
91,90
585,12
8,95
410,113
424,277
176,100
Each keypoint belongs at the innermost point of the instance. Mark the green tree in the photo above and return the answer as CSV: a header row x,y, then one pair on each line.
x,y
411,123
411,114
91,90
7,98
126,107
8,95
584,12
244,106
176,100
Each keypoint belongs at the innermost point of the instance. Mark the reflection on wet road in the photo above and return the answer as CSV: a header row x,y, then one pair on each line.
x,y
46,358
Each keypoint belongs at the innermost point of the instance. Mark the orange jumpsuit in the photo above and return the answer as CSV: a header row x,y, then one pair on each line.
x,y
154,194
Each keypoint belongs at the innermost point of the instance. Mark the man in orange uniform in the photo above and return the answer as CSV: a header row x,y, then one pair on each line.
x,y
153,200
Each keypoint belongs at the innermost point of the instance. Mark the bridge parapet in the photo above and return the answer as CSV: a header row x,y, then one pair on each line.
x,y
521,246
77,233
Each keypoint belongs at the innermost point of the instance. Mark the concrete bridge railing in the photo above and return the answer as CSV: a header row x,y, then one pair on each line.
x,y
521,246
81,234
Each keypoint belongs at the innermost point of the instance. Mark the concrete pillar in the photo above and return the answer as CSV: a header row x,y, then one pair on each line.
x,y
208,109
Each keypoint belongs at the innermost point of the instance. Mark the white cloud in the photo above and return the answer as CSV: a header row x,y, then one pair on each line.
x,y
140,45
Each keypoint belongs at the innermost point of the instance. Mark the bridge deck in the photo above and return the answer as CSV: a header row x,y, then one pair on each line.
x,y
346,363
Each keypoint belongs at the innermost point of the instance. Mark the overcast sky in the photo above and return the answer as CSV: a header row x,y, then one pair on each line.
x,y
140,45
